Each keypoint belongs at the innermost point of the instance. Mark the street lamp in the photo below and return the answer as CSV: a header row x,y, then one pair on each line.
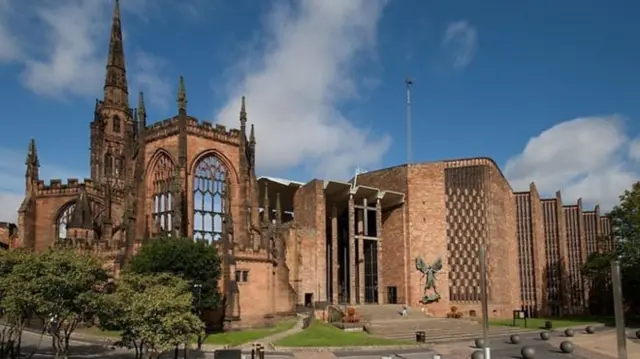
x,y
198,289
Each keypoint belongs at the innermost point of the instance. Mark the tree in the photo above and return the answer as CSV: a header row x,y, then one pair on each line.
x,y
16,305
625,221
195,261
65,290
154,312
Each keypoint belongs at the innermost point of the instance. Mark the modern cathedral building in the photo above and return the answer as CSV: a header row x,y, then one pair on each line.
x,y
314,244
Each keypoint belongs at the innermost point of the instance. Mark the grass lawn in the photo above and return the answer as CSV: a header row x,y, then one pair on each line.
x,y
325,335
97,332
233,338
538,323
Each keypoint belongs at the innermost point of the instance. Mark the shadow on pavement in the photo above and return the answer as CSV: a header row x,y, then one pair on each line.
x,y
99,351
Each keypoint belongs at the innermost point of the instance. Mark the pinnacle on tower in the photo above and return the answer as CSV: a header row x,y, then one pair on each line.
x,y
81,217
142,110
116,90
32,162
252,135
182,97
278,209
266,214
32,154
243,112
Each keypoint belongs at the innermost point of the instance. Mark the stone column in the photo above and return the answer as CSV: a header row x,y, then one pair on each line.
x,y
352,252
334,255
584,307
360,215
360,270
563,254
539,253
380,285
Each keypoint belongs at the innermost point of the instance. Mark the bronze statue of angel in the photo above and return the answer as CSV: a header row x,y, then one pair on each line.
x,y
430,293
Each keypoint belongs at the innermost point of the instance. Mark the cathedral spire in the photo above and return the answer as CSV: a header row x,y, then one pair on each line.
x,y
116,91
182,97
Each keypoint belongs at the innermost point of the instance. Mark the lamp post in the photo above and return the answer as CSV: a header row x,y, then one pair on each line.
x,y
618,308
198,289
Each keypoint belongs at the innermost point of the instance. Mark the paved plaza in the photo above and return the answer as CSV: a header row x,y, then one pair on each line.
x,y
601,345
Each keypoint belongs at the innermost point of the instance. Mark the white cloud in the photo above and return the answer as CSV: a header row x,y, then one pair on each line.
x,y
66,45
9,46
148,77
585,157
12,180
295,90
460,41
634,150
71,64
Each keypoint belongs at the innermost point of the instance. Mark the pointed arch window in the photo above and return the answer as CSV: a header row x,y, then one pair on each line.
x,y
62,222
108,164
119,165
116,124
162,196
208,199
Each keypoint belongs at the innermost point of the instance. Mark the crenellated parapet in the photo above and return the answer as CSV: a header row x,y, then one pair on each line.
x,y
72,186
208,130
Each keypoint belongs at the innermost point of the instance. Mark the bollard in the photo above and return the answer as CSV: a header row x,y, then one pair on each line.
x,y
528,352
590,330
566,347
253,351
478,354
479,343
514,339
568,332
545,335
261,350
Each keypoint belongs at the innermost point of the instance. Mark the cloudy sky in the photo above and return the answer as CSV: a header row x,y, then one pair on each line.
x,y
550,89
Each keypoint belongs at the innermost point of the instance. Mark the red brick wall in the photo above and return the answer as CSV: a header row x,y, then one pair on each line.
x,y
310,229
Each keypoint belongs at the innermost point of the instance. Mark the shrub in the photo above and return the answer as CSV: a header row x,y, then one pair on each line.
x,y
351,316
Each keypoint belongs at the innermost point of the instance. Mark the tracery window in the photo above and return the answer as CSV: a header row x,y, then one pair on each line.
x,y
163,173
116,124
108,164
208,199
63,220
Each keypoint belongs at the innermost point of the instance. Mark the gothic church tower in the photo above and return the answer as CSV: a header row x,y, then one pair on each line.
x,y
113,126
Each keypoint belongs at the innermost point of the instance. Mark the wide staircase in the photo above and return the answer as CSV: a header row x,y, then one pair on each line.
x,y
386,321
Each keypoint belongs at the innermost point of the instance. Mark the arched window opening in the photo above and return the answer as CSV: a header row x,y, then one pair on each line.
x,y
108,164
119,165
208,199
63,220
116,124
163,173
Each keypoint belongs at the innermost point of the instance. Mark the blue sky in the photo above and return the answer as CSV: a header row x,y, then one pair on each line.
x,y
549,89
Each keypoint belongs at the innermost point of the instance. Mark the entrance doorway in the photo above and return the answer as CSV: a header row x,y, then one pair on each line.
x,y
370,271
